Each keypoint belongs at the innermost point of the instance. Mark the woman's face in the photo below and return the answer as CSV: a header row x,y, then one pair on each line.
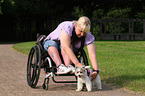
x,y
79,32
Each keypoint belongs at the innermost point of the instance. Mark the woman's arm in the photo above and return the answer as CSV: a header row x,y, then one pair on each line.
x,y
65,41
92,56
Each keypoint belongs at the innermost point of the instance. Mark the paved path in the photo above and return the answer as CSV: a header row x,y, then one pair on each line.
x,y
13,80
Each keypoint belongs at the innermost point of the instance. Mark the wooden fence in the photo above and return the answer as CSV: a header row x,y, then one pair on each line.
x,y
120,29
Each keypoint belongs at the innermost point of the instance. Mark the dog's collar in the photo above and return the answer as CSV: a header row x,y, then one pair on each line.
x,y
96,71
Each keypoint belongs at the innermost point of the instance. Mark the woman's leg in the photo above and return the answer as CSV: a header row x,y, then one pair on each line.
x,y
52,48
54,54
66,59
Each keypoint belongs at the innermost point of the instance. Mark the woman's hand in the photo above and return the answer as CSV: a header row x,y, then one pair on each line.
x,y
80,65
93,75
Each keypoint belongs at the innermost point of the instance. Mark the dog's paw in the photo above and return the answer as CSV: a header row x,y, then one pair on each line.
x,y
78,90
99,88
89,90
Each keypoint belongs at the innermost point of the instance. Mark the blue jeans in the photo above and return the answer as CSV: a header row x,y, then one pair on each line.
x,y
49,43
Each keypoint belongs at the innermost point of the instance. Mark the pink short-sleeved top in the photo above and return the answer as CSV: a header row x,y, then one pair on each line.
x,y
68,26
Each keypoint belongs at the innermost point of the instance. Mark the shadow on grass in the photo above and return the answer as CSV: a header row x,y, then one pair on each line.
x,y
121,81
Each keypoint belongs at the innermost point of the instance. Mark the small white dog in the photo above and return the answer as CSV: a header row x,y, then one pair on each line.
x,y
84,78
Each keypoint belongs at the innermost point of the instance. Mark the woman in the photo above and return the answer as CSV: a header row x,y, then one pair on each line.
x,y
68,37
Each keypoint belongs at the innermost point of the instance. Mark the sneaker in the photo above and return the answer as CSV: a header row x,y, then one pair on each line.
x,y
72,68
62,69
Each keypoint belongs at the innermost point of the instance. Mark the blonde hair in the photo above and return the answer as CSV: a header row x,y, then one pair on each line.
x,y
84,23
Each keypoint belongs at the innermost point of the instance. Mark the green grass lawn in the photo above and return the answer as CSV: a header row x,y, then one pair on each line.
x,y
24,47
122,63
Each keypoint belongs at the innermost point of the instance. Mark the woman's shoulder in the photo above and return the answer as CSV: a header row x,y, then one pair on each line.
x,y
89,37
68,26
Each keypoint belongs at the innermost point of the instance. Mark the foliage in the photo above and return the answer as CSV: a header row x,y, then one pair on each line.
x,y
140,15
6,7
20,10
35,7
99,13
117,13
78,12
111,14
76,8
